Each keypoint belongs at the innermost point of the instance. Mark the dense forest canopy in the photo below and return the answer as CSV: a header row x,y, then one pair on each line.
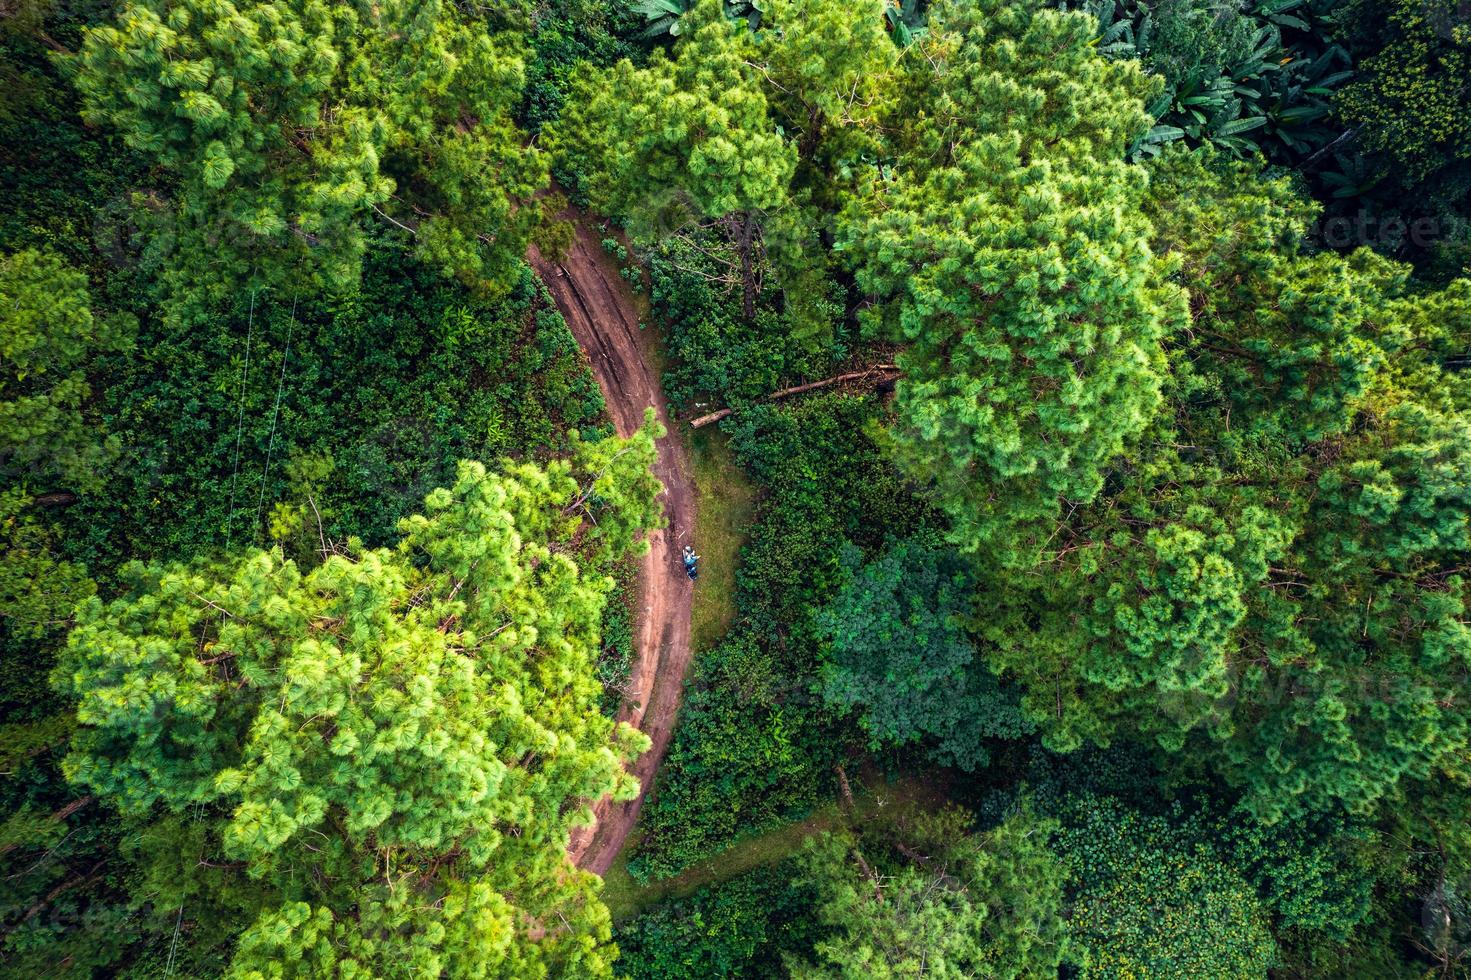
x,y
1075,399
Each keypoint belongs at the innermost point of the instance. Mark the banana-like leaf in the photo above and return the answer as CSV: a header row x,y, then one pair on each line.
x,y
1162,134
652,9
1236,126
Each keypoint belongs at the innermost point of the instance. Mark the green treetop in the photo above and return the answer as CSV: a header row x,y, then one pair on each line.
x,y
943,902
897,652
292,124
735,140
48,335
689,131
1008,245
826,67
1275,576
392,745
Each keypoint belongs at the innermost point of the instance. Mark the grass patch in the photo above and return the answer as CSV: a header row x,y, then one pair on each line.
x,y
874,800
727,501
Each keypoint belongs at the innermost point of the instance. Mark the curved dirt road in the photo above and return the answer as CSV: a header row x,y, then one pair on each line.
x,y
600,311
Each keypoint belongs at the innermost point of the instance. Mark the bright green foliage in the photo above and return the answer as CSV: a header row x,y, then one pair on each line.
x,y
825,65
827,69
1010,246
688,133
897,652
704,147
290,123
394,742
1368,625
1135,625
48,335
1278,567
37,590
959,904
1409,100
1288,340
1150,897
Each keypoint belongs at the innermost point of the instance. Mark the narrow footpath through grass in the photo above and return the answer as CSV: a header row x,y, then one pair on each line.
x,y
873,801
727,503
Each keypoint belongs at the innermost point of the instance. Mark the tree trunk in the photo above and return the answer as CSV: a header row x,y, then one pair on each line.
x,y
845,788
880,372
748,267
56,816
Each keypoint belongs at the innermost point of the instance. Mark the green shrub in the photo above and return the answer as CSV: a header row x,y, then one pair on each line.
x,y
735,928
755,746
1150,896
392,386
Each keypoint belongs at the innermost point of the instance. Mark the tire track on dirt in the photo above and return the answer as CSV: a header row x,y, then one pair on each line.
x,y
600,311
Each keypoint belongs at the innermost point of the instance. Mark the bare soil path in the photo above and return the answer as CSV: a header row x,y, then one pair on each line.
x,y
601,313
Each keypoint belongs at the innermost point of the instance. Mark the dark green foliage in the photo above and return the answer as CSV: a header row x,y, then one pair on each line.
x,y
754,745
1410,100
379,396
1243,77
616,630
1150,896
65,910
752,750
719,358
1401,181
1320,879
733,929
61,182
896,653
1314,874
48,336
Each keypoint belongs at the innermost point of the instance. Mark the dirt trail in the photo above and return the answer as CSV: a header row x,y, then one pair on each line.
x,y
601,313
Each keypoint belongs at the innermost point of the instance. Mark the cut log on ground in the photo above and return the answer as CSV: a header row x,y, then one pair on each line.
x,y
878,372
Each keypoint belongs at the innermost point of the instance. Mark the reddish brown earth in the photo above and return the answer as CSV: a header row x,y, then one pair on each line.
x,y
600,311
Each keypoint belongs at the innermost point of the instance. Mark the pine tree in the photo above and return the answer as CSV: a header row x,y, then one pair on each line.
x,y
688,134
944,902
292,125
1273,581
48,335
1008,246
392,745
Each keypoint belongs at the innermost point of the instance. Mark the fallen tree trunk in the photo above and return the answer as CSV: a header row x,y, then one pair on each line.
x,y
55,817
881,372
